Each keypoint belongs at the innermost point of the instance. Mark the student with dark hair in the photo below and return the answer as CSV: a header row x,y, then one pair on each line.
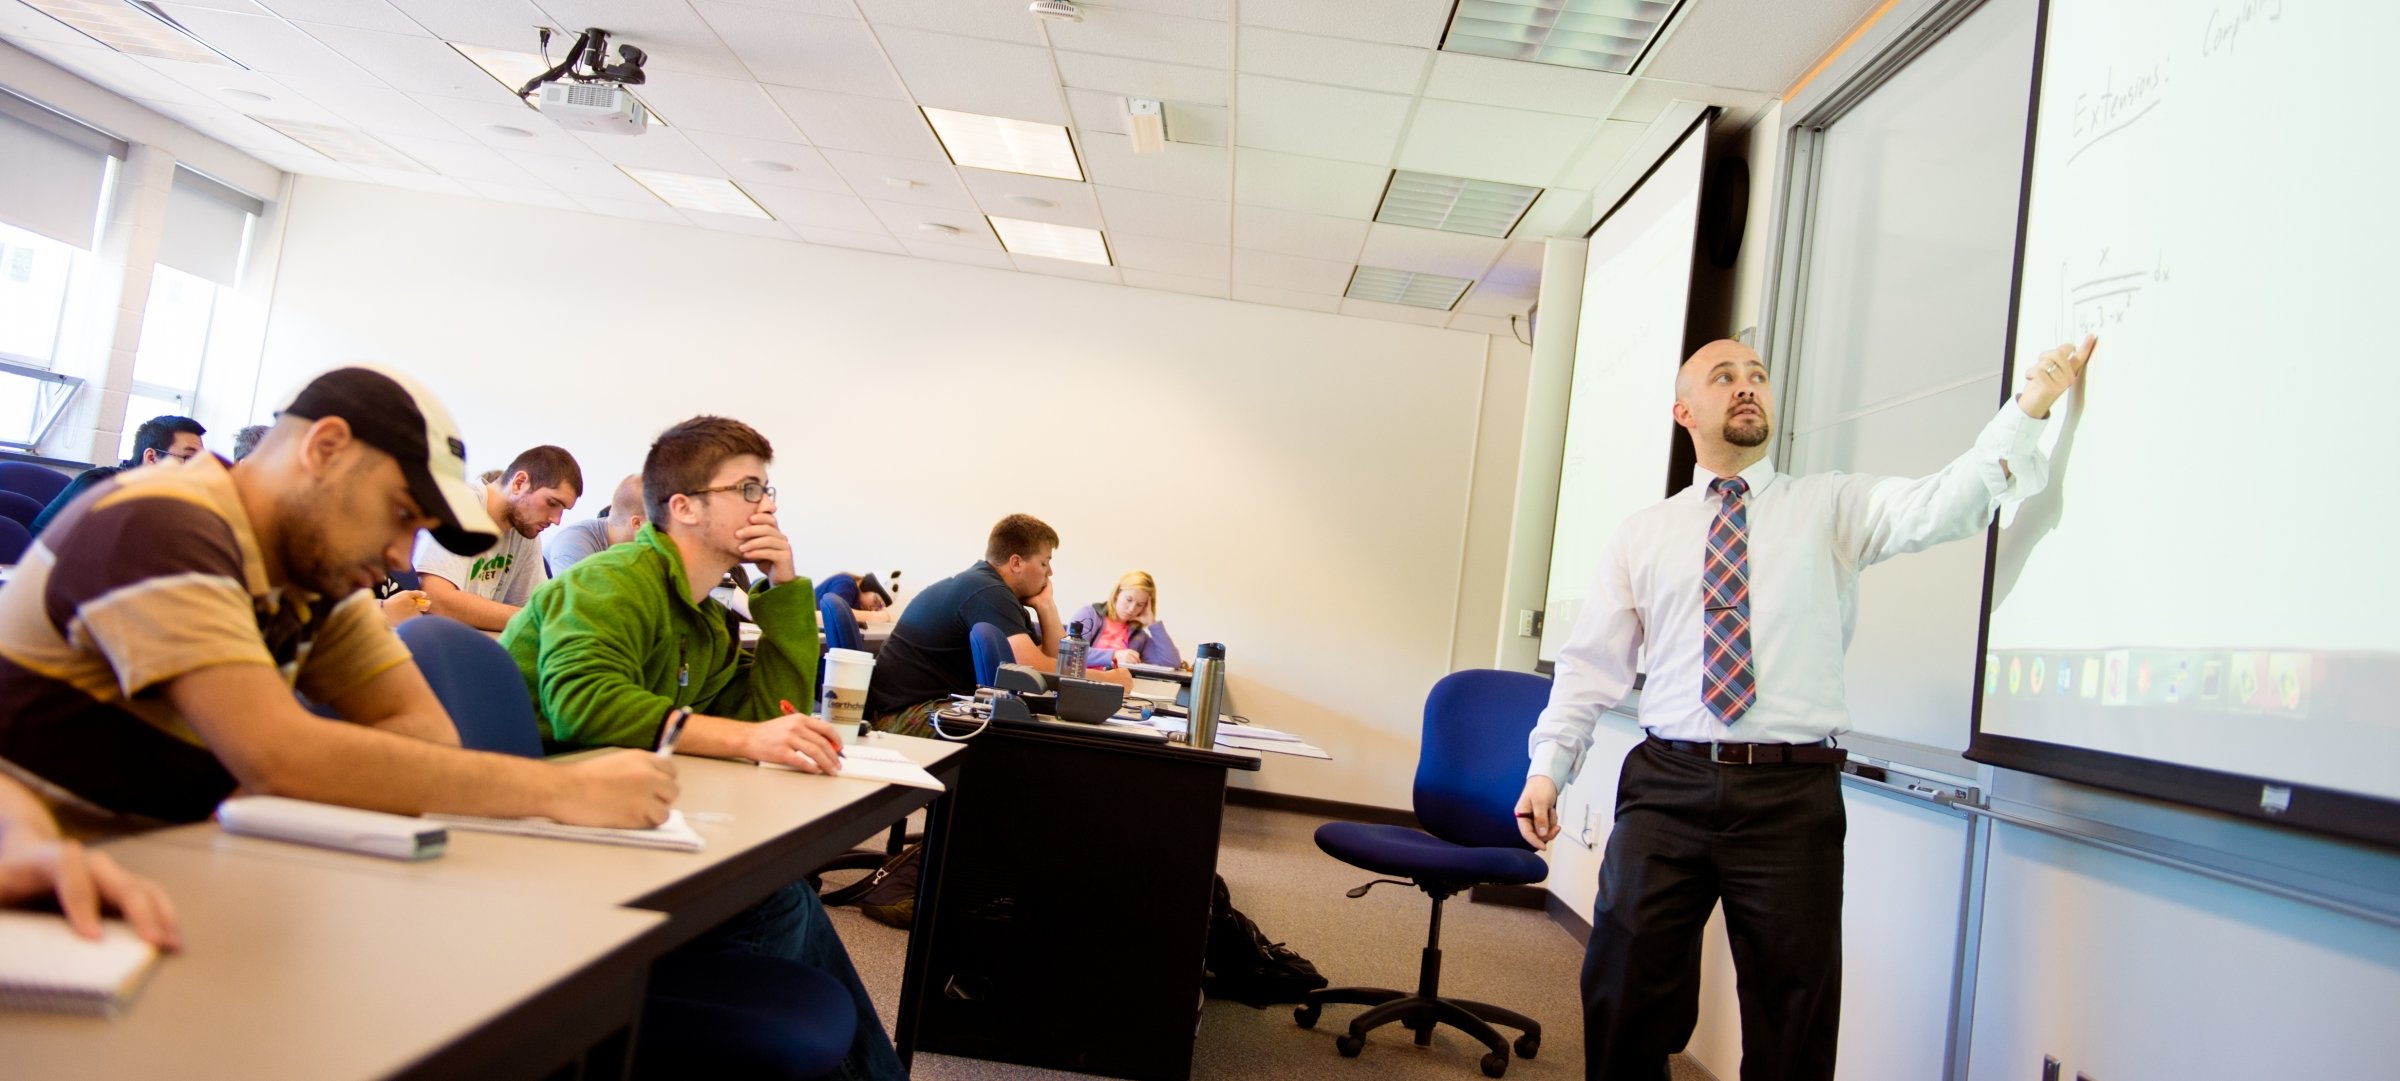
x,y
246,440
864,593
629,636
927,659
485,589
169,438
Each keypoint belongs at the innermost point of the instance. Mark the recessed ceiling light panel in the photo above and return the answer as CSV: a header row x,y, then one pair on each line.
x,y
1009,146
136,28
1389,286
1022,237
1454,204
1599,35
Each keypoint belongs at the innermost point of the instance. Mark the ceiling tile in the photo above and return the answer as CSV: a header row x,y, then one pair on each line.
x,y
1015,195
1143,78
667,150
1429,251
1514,84
1487,298
1364,64
419,65
974,18
1286,232
1484,142
23,25
762,161
1321,121
462,161
1064,268
1146,36
1290,272
1097,112
1497,326
103,65
817,209
674,34
498,24
960,253
1170,256
482,120
785,49
529,196
1309,185
934,183
364,14
380,110
973,75
646,208
1398,313
263,44
845,238
909,220
1763,47
223,86
1417,23
394,178
1559,212
1176,217
737,223
1190,9
1180,169
1650,97
1602,155
871,125
1285,298
1205,125
695,103
1174,283
597,179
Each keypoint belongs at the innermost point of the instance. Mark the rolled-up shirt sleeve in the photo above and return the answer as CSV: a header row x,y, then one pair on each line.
x,y
1594,672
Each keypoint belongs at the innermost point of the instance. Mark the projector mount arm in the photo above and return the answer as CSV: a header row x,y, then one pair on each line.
x,y
588,62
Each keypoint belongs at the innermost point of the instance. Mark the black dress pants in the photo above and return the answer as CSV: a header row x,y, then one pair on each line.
x,y
1767,841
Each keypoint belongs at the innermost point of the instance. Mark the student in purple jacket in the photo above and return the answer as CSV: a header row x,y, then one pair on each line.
x,y
1125,629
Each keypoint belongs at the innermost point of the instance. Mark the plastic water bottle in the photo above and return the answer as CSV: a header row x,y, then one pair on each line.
x,y
1208,695
1071,650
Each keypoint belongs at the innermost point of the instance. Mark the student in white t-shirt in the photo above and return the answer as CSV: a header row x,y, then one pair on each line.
x,y
485,589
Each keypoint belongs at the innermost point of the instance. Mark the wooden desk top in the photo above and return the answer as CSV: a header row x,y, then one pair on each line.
x,y
309,973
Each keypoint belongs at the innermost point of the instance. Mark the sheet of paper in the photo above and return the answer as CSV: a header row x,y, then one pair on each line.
x,y
674,833
868,763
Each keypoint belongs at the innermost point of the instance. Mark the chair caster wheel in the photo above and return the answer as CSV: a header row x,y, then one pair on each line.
x,y
1495,1064
1306,1016
1349,1045
1528,1045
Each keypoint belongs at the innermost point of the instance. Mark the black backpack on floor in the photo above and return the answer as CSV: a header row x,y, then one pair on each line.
x,y
1247,968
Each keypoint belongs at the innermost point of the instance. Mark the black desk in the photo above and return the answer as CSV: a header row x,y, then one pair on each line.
x,y
1062,920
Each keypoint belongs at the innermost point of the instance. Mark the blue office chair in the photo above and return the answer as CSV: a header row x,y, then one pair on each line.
x,y
1470,769
728,1015
20,508
13,540
407,579
32,481
841,625
989,644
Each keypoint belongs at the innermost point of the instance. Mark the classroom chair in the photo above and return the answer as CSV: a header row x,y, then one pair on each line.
x,y
989,646
717,1015
20,508
841,625
32,481
1470,769
13,540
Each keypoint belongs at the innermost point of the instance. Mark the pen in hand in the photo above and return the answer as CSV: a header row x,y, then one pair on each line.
x,y
786,705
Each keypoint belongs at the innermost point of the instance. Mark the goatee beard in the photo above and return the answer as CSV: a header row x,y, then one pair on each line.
x,y
1746,437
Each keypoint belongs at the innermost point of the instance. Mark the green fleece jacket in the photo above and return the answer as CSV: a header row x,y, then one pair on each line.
x,y
613,644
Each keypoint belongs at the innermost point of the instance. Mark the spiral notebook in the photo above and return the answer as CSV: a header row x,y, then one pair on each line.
x,y
45,966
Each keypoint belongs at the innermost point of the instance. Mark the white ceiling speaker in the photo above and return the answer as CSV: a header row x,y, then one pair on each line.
x,y
1147,124
1063,11
937,228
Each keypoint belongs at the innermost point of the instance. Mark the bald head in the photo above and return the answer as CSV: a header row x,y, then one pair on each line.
x,y
1724,352
627,503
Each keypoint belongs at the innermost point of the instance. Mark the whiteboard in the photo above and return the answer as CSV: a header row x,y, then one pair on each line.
x,y
1902,322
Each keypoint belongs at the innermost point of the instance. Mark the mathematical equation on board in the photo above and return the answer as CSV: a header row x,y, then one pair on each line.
x,y
2109,295
2125,93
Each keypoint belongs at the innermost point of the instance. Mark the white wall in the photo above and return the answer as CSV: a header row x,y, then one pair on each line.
x,y
1297,481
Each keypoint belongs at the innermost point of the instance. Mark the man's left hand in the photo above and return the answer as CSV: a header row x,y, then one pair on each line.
x,y
764,544
2051,375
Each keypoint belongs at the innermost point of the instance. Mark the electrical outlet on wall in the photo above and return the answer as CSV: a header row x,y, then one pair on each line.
x,y
1529,623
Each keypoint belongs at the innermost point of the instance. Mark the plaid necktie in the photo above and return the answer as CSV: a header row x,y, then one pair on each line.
x,y
1730,684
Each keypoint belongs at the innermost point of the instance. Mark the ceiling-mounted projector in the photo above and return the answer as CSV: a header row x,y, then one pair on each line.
x,y
586,91
1061,10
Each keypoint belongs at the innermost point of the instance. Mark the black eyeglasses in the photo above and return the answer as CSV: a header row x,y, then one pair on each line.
x,y
752,491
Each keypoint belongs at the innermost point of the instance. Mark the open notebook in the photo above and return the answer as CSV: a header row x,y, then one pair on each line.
x,y
44,966
674,833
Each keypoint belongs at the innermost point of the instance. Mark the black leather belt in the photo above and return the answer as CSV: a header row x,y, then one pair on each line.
x,y
1756,754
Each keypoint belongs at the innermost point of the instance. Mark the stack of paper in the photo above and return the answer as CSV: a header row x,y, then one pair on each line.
x,y
865,763
44,966
674,833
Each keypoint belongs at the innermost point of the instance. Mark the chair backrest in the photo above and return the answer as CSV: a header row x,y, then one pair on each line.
x,y
990,646
1471,763
32,481
841,627
407,579
14,539
20,508
478,683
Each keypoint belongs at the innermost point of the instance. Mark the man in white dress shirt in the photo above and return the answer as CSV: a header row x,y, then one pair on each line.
x,y
1740,594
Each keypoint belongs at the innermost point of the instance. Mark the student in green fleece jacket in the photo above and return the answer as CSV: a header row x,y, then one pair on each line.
x,y
624,638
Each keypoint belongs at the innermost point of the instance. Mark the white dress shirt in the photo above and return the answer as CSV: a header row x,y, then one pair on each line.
x,y
1808,539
